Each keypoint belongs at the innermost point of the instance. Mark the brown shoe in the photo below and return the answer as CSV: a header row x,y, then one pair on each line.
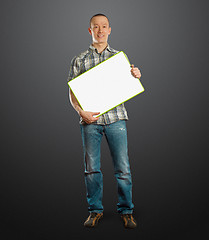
x,y
129,221
93,219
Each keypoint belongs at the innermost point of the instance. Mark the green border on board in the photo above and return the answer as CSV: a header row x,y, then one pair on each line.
x,y
96,66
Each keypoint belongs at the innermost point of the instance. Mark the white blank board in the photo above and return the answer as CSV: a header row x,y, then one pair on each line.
x,y
106,85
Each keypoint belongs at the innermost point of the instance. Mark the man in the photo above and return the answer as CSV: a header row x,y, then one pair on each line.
x,y
112,124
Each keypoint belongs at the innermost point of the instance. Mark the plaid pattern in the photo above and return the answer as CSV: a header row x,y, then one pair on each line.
x,y
85,61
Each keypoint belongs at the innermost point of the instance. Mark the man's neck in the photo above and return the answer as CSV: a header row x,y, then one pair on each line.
x,y
100,46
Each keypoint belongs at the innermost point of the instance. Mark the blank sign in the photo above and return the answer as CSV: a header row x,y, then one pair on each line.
x,y
106,85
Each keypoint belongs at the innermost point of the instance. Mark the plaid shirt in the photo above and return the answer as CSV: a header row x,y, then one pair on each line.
x,y
85,61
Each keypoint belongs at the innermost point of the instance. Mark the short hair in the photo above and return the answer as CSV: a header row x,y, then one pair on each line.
x,y
98,14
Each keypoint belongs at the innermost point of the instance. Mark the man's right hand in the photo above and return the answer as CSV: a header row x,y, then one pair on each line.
x,y
88,117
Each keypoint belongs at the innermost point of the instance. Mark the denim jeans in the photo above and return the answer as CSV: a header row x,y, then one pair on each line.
x,y
116,135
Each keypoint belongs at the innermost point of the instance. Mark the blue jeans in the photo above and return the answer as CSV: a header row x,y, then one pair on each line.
x,y
116,135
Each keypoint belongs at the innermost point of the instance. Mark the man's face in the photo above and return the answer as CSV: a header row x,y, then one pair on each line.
x,y
100,29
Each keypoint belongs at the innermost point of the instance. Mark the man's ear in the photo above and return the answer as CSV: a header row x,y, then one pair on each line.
x,y
109,30
90,31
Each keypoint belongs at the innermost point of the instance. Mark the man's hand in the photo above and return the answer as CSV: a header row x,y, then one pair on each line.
x,y
88,117
135,71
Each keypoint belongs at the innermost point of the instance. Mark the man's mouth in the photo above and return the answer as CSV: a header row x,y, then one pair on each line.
x,y
100,35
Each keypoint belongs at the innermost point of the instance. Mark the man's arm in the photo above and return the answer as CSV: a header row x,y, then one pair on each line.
x,y
88,117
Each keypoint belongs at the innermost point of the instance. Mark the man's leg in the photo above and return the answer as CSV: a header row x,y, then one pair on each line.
x,y
116,134
91,138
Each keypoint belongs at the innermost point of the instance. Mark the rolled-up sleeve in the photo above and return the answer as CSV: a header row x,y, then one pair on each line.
x,y
74,70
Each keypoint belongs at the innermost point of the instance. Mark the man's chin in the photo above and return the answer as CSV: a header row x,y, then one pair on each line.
x,y
100,40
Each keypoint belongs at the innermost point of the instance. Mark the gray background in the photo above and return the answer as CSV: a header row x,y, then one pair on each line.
x,y
42,181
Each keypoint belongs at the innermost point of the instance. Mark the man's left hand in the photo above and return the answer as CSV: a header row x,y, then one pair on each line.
x,y
135,71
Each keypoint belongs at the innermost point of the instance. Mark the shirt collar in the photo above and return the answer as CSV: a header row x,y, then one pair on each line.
x,y
107,48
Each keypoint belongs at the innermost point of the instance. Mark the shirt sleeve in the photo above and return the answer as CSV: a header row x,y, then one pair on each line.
x,y
74,70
